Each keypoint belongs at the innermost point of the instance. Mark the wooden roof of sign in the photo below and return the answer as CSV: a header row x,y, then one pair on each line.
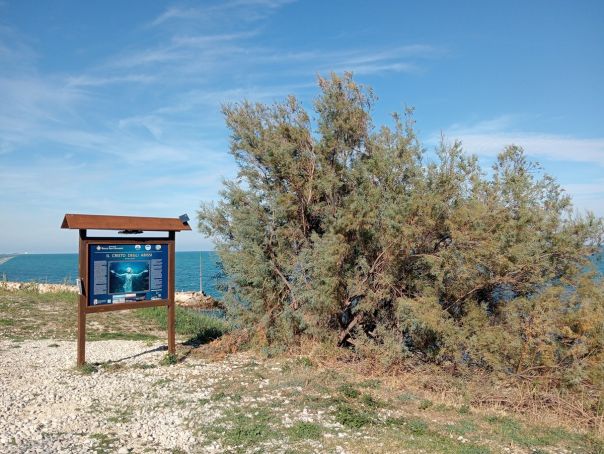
x,y
103,222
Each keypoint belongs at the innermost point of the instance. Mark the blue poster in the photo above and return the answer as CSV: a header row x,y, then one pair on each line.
x,y
127,273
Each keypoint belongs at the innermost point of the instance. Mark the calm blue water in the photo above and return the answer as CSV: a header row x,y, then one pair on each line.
x,y
63,268
599,261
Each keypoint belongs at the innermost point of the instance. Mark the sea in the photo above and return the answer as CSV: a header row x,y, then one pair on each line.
x,y
63,269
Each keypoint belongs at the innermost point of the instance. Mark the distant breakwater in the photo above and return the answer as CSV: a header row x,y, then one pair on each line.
x,y
6,259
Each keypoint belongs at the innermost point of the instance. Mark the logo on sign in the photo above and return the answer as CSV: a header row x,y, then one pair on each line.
x,y
158,246
137,247
147,247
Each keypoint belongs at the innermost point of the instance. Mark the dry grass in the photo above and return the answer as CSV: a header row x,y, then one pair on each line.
x,y
531,400
313,403
534,401
28,314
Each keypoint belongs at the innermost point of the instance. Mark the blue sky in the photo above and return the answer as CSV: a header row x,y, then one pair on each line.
x,y
114,107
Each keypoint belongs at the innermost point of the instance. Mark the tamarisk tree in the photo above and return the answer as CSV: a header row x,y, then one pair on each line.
x,y
348,233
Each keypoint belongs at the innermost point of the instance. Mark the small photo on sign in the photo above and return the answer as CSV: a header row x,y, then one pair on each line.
x,y
127,277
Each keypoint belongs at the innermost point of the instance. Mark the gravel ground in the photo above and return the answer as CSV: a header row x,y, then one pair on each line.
x,y
132,404
129,405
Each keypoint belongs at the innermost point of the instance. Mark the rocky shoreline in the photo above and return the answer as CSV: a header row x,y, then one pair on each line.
x,y
193,300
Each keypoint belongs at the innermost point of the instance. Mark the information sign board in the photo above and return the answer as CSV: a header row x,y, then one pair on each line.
x,y
127,273
118,274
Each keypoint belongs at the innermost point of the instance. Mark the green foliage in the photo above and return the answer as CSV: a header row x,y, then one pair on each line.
x,y
302,430
425,404
248,430
371,401
304,362
372,384
87,369
463,427
103,443
342,232
351,417
108,335
464,409
169,359
417,426
200,327
530,436
349,391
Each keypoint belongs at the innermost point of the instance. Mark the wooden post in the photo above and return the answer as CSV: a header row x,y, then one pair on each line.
x,y
83,257
171,302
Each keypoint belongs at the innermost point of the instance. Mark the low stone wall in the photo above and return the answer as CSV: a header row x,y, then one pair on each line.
x,y
42,288
195,300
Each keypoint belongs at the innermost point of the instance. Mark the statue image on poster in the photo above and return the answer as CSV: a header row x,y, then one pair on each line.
x,y
126,277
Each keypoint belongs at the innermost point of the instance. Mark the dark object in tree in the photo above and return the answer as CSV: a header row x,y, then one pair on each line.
x,y
348,234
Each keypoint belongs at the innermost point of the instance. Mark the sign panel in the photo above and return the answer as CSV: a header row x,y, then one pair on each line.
x,y
127,273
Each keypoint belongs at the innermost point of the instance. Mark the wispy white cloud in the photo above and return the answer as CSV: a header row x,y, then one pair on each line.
x,y
249,10
212,55
374,68
497,124
406,59
32,106
202,99
489,137
96,81
175,12
16,56
549,146
205,41
588,196
154,124
193,49
595,187
187,51
148,56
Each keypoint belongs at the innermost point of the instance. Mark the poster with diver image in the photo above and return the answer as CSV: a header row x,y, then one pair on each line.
x,y
127,273
127,277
